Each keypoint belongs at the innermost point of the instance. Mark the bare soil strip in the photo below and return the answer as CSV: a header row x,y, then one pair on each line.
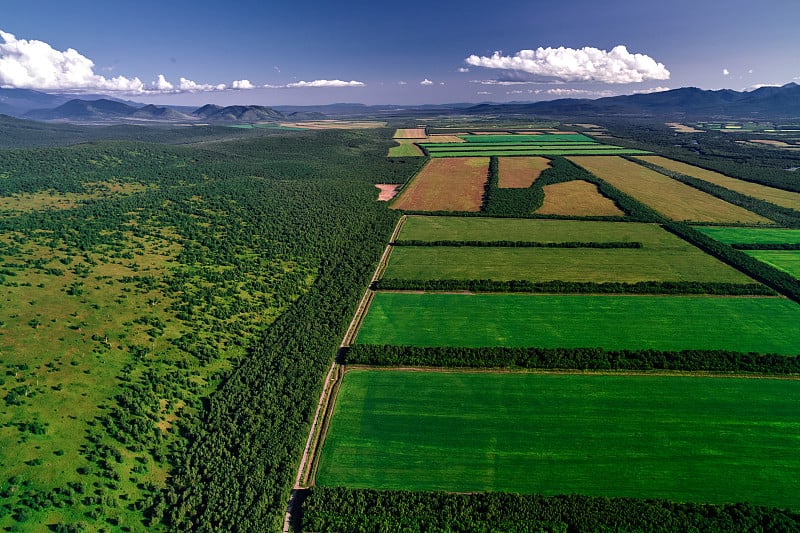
x,y
520,172
388,191
446,184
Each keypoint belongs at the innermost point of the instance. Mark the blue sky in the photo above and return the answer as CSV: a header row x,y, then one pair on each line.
x,y
403,52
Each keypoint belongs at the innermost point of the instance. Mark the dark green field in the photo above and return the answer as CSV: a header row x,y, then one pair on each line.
x,y
764,325
751,235
786,260
682,438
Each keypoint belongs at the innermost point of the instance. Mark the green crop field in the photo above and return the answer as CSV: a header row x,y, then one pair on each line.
x,y
786,260
522,138
434,228
751,235
682,438
764,325
680,262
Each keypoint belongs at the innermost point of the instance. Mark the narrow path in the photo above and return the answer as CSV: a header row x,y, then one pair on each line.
x,y
326,400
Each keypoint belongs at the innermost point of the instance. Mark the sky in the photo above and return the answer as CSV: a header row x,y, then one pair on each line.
x,y
276,52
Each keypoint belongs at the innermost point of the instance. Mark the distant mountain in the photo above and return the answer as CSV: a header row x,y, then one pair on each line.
x,y
764,102
238,113
152,112
84,110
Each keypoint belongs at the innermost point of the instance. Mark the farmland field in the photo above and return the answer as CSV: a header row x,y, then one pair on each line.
x,y
405,148
446,185
682,438
746,324
410,133
536,138
751,235
667,196
433,228
520,172
524,149
786,260
679,262
577,198
779,197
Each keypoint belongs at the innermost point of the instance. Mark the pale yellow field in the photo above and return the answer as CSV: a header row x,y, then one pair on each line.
x,y
683,128
520,172
577,198
446,184
335,125
669,197
779,197
410,133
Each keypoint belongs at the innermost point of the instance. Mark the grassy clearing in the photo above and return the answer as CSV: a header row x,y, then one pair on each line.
x,y
405,148
678,263
433,228
788,199
751,235
763,325
446,185
786,260
520,172
577,198
667,196
15,204
682,438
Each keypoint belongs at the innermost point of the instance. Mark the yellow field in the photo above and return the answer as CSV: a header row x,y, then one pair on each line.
x,y
410,133
762,192
443,138
446,184
683,128
577,198
520,172
335,125
669,197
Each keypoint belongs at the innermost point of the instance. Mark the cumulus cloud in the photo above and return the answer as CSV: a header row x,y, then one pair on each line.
x,y
192,87
503,82
242,85
31,64
161,84
463,69
402,83
426,81
326,83
484,92
584,64
725,72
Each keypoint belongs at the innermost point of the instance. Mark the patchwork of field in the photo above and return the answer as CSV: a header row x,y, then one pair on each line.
x,y
669,197
410,133
434,228
682,438
746,324
577,198
751,235
455,184
520,172
788,199
785,260
679,262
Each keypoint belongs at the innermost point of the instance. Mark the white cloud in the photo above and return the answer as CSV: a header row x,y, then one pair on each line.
x,y
326,83
760,85
725,72
652,90
585,64
426,81
504,82
30,64
463,69
192,87
402,83
242,85
515,92
162,84
484,92
750,71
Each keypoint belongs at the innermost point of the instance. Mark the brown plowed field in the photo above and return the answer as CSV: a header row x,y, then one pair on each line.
x,y
410,133
520,172
666,195
446,184
779,197
577,198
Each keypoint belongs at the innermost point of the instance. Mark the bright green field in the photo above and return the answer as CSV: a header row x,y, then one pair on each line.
x,y
682,438
764,325
786,260
432,228
751,235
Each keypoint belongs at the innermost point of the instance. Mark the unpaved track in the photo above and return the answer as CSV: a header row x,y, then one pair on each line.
x,y
319,427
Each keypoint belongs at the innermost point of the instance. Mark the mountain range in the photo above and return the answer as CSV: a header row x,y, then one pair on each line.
x,y
762,103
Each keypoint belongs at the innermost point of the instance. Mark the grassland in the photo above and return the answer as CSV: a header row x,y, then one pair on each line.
x,y
779,197
751,235
786,260
577,198
520,172
763,325
405,148
433,228
446,185
710,440
667,196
